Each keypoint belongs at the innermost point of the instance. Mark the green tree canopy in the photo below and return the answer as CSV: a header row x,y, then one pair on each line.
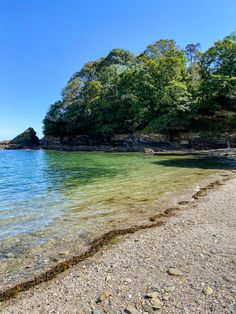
x,y
164,89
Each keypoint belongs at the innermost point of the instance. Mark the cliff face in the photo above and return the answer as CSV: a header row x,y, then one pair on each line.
x,y
136,143
119,143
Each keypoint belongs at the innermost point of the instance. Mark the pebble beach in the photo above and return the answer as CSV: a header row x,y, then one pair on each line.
x,y
186,265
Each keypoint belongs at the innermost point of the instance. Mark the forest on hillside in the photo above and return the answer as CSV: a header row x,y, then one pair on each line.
x,y
165,89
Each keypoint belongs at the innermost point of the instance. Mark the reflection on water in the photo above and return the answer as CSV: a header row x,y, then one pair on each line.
x,y
53,203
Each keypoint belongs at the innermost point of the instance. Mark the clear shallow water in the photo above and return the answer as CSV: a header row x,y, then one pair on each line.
x,y
52,204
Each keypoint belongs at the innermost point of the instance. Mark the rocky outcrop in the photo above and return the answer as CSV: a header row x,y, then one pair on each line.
x,y
119,143
136,142
116,143
148,143
4,144
27,139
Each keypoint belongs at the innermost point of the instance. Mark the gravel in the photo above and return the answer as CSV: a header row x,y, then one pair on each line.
x,y
198,245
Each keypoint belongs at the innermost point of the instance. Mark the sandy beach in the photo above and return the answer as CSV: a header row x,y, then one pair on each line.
x,y
186,265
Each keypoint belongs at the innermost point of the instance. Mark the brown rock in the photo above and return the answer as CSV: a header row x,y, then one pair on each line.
x,y
106,294
152,295
108,278
174,272
148,309
207,291
156,303
131,310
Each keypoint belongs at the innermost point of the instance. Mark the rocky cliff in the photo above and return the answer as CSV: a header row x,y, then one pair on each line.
x,y
136,143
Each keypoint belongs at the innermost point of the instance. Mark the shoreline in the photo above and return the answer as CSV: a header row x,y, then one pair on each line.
x,y
221,152
150,190
127,143
104,241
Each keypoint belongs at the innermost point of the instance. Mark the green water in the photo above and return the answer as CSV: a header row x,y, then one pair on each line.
x,y
52,204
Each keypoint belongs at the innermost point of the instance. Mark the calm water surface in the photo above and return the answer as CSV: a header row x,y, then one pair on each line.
x,y
52,204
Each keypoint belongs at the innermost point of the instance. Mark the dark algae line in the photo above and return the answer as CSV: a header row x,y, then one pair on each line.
x,y
102,242
61,267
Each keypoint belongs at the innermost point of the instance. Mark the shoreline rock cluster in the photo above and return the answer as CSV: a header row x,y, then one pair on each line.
x,y
148,143
133,143
25,140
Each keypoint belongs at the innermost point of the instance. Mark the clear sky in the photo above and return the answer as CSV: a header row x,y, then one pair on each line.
x,y
42,42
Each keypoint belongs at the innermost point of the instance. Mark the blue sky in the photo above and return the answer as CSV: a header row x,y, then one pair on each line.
x,y
44,41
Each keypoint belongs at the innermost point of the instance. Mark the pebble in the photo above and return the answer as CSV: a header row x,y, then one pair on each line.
x,y
174,272
131,310
156,303
156,289
10,255
64,253
207,291
165,298
108,278
178,305
95,311
148,309
152,295
106,294
169,289
128,280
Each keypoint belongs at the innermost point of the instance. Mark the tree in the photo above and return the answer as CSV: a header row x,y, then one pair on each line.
x,y
165,89
118,56
54,122
220,59
161,48
173,109
192,53
218,69
72,90
136,97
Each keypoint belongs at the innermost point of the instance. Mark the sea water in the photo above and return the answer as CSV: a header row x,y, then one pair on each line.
x,y
53,204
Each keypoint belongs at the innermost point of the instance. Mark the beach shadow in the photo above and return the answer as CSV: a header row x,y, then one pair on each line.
x,y
201,162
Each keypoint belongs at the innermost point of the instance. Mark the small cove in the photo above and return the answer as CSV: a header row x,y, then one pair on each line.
x,y
53,204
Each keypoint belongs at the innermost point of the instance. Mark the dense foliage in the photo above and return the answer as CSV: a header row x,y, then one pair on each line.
x,y
163,90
